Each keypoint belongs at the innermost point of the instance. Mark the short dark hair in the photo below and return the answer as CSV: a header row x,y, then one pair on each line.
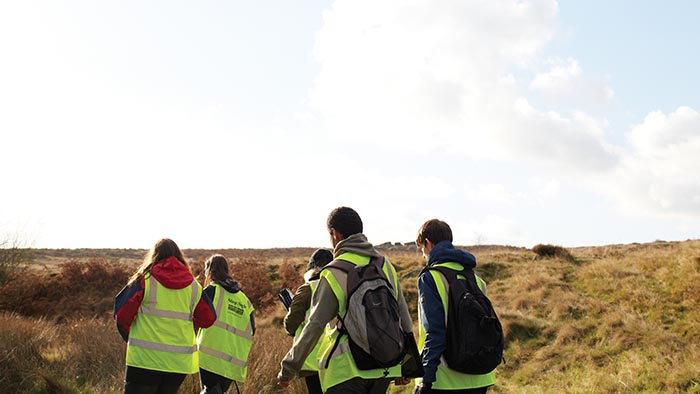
x,y
345,221
434,230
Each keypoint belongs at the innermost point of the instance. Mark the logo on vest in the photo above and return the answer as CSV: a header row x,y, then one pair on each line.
x,y
235,306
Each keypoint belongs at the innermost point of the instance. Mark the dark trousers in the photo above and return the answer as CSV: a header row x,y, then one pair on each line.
x,y
313,384
361,386
146,381
213,383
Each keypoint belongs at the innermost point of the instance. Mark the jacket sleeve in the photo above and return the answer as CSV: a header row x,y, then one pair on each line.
x,y
433,320
126,306
324,307
297,310
204,314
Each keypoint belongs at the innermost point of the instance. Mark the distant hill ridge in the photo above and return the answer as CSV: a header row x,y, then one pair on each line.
x,y
136,254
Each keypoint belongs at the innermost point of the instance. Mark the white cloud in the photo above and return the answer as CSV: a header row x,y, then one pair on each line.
x,y
576,143
489,229
559,77
660,132
658,173
566,78
427,77
538,191
409,74
546,188
491,193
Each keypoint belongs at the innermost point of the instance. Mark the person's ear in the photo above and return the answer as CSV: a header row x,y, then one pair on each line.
x,y
336,236
429,244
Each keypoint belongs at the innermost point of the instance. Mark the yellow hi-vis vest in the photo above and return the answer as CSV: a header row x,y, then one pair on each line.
x,y
311,362
446,378
224,347
341,366
162,335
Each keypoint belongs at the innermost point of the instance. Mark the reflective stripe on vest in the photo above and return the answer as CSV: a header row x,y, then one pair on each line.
x,y
339,350
223,356
446,378
162,347
162,336
153,311
341,365
247,333
224,347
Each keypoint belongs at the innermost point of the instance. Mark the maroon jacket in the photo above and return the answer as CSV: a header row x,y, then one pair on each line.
x,y
172,274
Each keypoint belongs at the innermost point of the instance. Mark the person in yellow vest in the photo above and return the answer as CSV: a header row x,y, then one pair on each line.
x,y
298,315
435,241
338,371
157,313
224,347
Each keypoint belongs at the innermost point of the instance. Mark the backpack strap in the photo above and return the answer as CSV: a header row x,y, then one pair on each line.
x,y
352,277
452,275
354,271
346,267
342,265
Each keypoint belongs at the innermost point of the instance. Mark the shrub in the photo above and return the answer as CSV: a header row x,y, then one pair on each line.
x,y
84,289
290,276
552,251
12,257
255,281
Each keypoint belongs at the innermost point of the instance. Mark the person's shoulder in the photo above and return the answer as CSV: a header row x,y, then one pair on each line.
x,y
209,290
426,276
330,270
303,290
388,261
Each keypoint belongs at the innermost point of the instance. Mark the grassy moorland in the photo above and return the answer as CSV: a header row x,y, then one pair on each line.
x,y
610,319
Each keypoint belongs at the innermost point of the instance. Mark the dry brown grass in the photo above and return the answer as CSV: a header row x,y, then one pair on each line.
x,y
37,355
613,319
616,319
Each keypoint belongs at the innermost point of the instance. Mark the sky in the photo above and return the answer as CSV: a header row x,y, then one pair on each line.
x,y
243,124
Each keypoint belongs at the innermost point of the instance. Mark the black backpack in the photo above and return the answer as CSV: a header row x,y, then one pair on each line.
x,y
474,333
372,322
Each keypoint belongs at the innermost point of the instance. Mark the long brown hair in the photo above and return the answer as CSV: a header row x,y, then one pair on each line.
x,y
216,270
163,249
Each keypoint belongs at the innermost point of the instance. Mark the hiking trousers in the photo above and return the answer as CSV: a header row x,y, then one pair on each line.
x,y
146,381
361,386
313,384
212,383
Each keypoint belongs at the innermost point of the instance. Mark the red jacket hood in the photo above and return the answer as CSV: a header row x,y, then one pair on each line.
x,y
172,273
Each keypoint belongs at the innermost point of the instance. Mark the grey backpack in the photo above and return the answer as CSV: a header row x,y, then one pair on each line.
x,y
372,322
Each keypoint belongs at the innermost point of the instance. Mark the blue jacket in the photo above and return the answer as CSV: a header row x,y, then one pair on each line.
x,y
432,311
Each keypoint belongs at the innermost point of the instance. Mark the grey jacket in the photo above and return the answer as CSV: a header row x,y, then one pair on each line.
x,y
324,308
